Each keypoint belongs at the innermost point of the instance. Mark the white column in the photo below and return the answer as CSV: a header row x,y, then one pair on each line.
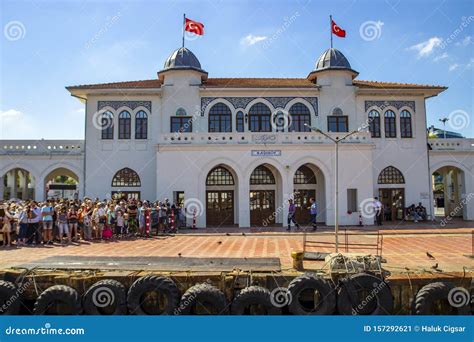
x,y
244,203
14,192
287,191
39,190
2,187
25,185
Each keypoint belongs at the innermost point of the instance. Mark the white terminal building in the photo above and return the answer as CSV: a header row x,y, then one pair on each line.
x,y
235,149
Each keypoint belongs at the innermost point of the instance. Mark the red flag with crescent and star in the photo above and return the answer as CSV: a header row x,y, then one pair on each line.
x,y
194,27
337,30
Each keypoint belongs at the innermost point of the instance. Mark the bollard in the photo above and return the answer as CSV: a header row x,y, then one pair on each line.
x,y
298,260
360,219
194,218
147,222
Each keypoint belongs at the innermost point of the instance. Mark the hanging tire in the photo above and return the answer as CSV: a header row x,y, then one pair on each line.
x,y
302,300
9,298
105,297
426,298
153,295
203,299
58,300
364,294
254,300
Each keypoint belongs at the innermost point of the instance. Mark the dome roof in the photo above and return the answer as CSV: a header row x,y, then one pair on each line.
x,y
332,59
182,58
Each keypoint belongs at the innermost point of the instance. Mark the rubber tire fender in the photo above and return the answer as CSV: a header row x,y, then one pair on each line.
x,y
432,292
254,295
9,293
61,293
164,285
104,290
347,294
203,293
311,282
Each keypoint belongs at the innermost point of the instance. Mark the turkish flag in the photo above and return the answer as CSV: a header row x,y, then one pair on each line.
x,y
194,27
337,30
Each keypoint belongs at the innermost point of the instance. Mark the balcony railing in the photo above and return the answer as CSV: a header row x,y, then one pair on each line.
x,y
451,144
41,147
259,138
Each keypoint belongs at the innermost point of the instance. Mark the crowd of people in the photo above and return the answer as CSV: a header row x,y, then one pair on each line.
x,y
30,223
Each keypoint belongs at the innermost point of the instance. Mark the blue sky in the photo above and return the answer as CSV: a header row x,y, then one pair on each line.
x,y
47,45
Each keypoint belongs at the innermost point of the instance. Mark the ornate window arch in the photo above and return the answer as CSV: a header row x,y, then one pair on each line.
x,y
107,125
141,125
125,125
304,175
262,175
126,177
260,117
219,176
181,112
239,121
220,118
374,123
300,117
391,175
405,124
390,120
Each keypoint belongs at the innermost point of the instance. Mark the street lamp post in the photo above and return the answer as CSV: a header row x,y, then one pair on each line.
x,y
336,142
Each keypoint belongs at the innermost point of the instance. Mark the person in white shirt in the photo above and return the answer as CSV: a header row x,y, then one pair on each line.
x,y
378,211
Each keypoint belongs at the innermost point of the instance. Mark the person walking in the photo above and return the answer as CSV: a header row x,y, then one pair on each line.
x,y
6,219
313,213
292,215
378,208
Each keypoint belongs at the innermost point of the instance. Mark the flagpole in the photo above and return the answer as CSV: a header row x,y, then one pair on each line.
x,y
184,24
330,25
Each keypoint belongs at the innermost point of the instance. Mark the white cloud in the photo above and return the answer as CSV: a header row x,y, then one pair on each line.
x,y
438,58
453,67
465,42
16,125
427,47
252,40
470,64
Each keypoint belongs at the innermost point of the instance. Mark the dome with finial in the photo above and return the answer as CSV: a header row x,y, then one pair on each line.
x,y
182,58
331,59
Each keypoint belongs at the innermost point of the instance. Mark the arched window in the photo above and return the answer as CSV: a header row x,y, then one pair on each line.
x,y
374,123
300,116
239,124
125,125
304,175
107,125
141,125
262,175
338,122
391,175
126,178
220,118
405,124
259,118
219,176
390,124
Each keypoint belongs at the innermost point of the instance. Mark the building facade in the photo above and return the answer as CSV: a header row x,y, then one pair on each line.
x,y
234,150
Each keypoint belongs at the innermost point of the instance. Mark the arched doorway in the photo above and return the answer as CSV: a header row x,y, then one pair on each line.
x,y
392,193
128,179
264,194
18,183
308,181
221,185
61,183
448,189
